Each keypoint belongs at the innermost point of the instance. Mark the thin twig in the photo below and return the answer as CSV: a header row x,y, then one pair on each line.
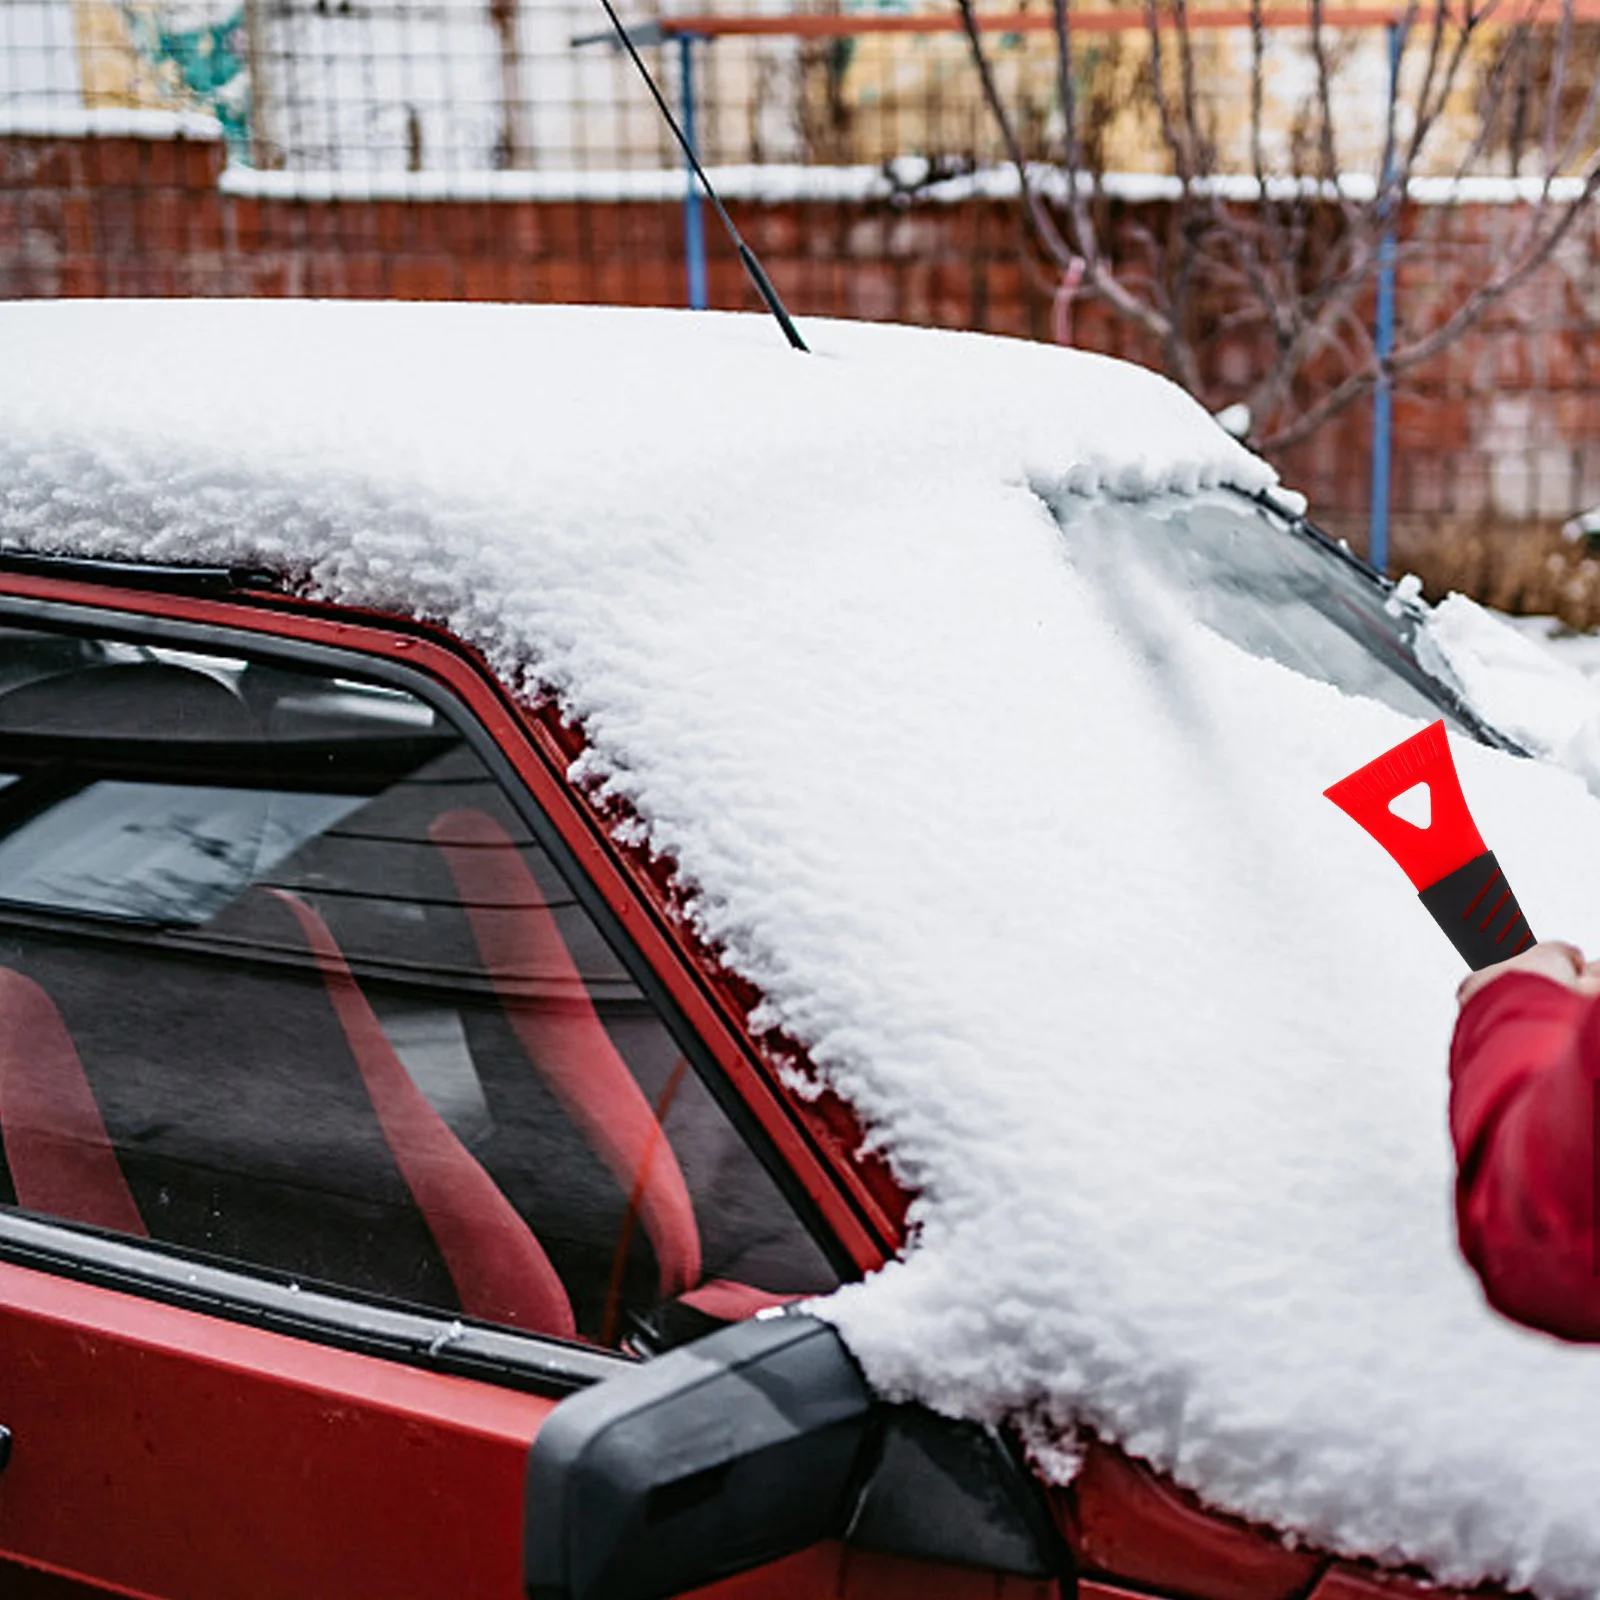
x,y
1580,127
1181,162
1325,135
1082,213
1096,276
1558,80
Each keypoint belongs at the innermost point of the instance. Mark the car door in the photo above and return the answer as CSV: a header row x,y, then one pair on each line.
x,y
343,1127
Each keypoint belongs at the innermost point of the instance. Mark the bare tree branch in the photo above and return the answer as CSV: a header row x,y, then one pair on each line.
x,y
1467,315
1258,63
1513,276
1552,104
1580,126
1387,174
1096,276
1049,235
1326,141
1264,265
1201,155
1082,214
1177,147
1290,263
1431,103
1489,102
1423,122
1271,392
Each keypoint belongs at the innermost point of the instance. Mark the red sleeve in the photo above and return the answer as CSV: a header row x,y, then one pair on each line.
x,y
1523,1116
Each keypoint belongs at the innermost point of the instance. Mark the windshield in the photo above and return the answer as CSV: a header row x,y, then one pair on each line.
x,y
1254,578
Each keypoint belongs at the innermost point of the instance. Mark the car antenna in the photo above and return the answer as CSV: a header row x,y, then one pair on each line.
x,y
752,266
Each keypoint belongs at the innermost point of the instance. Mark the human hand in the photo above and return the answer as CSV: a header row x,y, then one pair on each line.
x,y
1551,959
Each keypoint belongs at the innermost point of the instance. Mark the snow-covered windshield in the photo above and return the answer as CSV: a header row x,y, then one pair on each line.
x,y
1233,565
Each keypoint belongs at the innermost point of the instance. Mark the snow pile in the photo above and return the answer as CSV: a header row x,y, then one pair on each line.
x,y
1041,873
1545,701
1511,679
1580,651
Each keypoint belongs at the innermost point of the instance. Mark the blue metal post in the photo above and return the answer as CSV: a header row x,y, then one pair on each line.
x,y
1382,395
694,232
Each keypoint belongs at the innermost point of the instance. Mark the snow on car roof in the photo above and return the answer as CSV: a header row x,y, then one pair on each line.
x,y
1157,1035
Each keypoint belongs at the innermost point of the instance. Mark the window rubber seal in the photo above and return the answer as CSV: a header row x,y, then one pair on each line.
x,y
439,1341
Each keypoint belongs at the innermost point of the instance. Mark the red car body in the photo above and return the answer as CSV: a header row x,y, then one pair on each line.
x,y
179,1451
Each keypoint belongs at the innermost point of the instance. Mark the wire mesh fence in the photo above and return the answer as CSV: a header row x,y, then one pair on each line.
x,y
485,85
404,85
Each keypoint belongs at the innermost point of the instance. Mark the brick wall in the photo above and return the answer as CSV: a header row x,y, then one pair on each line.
x,y
1506,424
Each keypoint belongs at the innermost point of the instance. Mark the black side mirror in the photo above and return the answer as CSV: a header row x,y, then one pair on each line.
x,y
748,1445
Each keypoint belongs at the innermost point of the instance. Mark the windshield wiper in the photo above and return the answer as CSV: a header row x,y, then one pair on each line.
x,y
1448,694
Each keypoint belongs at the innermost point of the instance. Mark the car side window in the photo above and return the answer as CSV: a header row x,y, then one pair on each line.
x,y
287,980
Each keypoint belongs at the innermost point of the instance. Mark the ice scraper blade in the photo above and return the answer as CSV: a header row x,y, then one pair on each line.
x,y
1454,873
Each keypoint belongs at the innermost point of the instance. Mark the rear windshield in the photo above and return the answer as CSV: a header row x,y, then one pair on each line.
x,y
1250,576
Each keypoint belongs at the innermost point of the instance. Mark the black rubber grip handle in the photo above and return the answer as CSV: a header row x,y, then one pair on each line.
x,y
1478,912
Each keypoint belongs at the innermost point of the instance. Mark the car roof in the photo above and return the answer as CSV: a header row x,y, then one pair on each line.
x,y
447,394
1040,874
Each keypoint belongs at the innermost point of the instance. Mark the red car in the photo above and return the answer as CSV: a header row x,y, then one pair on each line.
x,y
398,1203
360,1100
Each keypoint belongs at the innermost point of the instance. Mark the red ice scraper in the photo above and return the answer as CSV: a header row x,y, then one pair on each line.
x,y
1455,875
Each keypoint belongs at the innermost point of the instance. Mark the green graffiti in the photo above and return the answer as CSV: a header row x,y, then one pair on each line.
x,y
205,64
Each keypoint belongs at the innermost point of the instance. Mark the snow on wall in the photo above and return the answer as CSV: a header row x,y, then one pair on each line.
x,y
779,183
1040,873
771,185
105,122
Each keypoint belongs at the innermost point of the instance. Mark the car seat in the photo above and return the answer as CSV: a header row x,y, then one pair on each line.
x,y
564,1039
228,1088
244,1126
